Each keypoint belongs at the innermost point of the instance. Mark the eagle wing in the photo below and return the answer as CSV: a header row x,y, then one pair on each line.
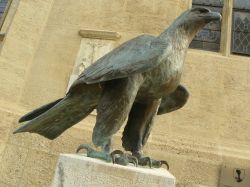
x,y
135,56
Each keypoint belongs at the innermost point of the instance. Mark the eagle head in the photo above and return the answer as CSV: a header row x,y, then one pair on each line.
x,y
194,19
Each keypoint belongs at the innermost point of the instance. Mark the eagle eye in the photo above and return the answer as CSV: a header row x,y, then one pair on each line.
x,y
200,10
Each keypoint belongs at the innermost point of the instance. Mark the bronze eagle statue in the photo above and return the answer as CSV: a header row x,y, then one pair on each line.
x,y
136,81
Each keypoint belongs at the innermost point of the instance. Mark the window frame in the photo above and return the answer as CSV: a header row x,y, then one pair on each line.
x,y
239,11
6,10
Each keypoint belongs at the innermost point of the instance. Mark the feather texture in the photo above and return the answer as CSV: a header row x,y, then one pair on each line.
x,y
135,56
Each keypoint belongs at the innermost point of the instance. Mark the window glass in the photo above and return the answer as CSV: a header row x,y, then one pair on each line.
x,y
3,4
241,27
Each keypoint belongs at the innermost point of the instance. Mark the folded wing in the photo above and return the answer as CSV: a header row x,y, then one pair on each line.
x,y
135,56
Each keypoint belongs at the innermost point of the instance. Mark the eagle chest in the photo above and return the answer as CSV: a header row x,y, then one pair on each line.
x,y
170,74
161,81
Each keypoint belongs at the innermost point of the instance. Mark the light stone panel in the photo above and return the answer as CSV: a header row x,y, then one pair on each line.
x,y
79,170
89,51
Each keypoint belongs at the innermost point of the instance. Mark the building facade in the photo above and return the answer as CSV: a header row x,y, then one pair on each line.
x,y
46,43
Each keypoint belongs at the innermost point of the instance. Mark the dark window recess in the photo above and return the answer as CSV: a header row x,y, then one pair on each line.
x,y
241,27
209,37
3,4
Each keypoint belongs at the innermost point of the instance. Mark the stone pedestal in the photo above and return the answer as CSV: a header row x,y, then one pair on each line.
x,y
79,170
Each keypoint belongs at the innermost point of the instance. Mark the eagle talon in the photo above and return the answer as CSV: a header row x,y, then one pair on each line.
x,y
92,153
119,157
133,159
147,161
86,147
163,162
159,163
114,153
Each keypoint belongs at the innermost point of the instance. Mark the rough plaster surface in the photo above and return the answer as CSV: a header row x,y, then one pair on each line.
x,y
79,170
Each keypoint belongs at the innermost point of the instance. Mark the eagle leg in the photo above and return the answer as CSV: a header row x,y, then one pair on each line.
x,y
119,157
103,155
137,130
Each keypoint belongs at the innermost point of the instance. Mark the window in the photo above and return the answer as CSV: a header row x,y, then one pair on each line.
x,y
4,6
209,37
241,27
230,36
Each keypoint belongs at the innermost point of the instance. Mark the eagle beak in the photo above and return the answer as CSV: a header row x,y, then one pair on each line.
x,y
213,16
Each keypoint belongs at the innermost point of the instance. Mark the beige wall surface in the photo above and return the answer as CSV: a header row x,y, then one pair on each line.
x,y
37,58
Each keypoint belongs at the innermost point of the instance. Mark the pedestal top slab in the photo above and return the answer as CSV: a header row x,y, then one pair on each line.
x,y
79,170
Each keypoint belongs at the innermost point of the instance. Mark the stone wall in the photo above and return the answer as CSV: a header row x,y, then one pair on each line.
x,y
36,61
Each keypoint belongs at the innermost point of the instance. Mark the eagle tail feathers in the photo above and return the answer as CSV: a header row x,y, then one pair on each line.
x,y
37,112
58,118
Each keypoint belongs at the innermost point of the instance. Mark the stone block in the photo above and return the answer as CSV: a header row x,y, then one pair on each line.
x,y
12,164
235,79
42,173
135,7
2,147
200,172
78,170
161,9
6,122
112,6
